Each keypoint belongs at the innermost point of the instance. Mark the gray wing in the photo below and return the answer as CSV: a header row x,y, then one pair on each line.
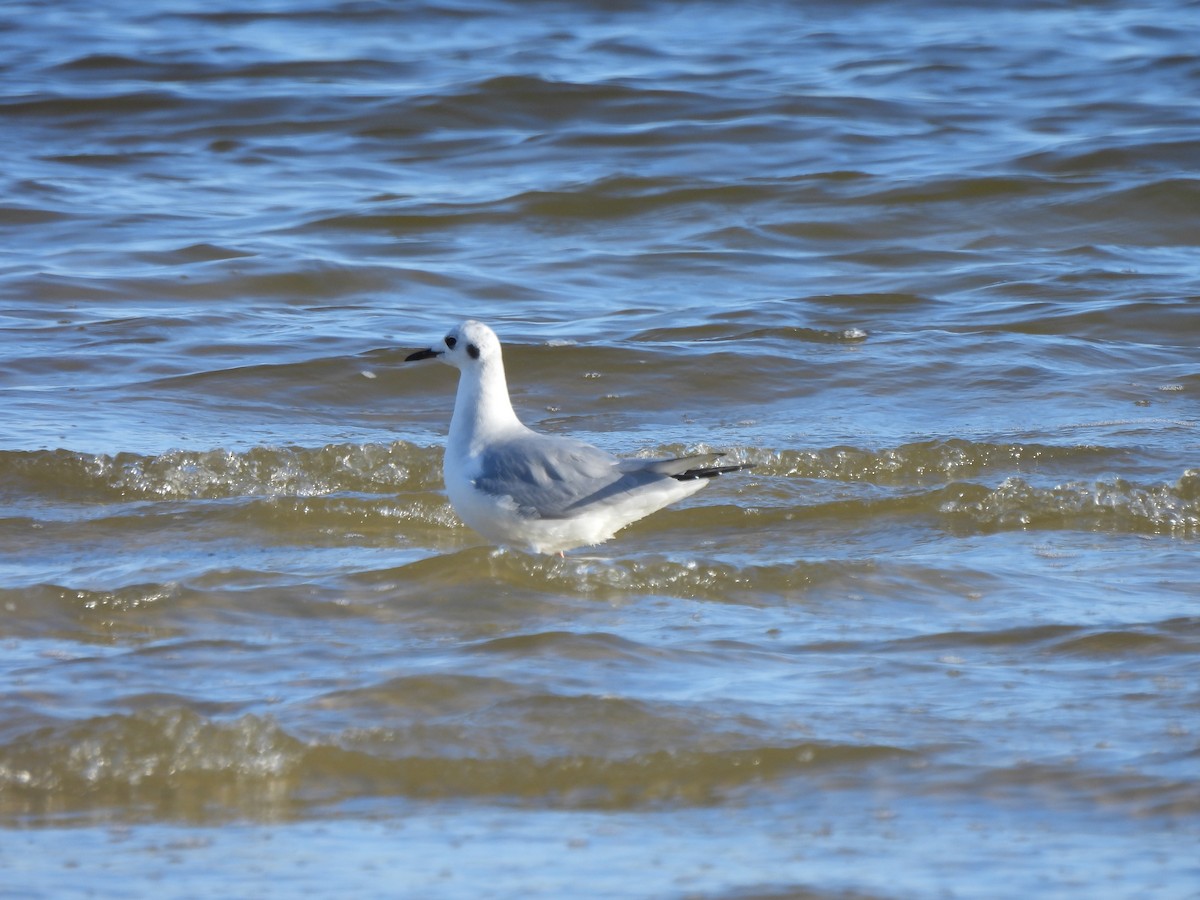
x,y
551,477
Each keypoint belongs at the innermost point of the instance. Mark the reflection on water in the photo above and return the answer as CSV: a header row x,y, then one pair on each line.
x,y
931,271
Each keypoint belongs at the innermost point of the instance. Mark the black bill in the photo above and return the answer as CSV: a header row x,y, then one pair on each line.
x,y
423,354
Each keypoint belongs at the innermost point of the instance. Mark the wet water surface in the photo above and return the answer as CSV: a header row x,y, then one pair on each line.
x,y
933,271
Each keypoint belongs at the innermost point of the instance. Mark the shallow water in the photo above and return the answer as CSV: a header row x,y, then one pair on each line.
x,y
933,271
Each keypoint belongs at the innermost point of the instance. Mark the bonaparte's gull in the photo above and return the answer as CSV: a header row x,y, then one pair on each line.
x,y
544,492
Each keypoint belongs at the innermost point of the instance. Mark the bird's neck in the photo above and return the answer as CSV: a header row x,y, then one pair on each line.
x,y
482,409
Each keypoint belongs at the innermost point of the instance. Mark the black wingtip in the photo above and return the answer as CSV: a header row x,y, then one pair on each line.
x,y
709,472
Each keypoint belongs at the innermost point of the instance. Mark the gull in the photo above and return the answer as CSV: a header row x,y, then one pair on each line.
x,y
542,492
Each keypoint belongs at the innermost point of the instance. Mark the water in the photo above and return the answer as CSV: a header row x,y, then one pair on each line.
x,y
933,270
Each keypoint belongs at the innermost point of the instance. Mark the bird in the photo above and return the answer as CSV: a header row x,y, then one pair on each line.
x,y
544,493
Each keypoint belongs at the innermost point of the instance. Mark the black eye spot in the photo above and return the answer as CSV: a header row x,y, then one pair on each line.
x,y
450,342
473,350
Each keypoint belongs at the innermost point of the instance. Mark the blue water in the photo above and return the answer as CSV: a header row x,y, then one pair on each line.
x,y
932,270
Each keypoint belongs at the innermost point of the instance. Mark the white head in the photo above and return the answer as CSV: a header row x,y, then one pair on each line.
x,y
482,405
468,347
